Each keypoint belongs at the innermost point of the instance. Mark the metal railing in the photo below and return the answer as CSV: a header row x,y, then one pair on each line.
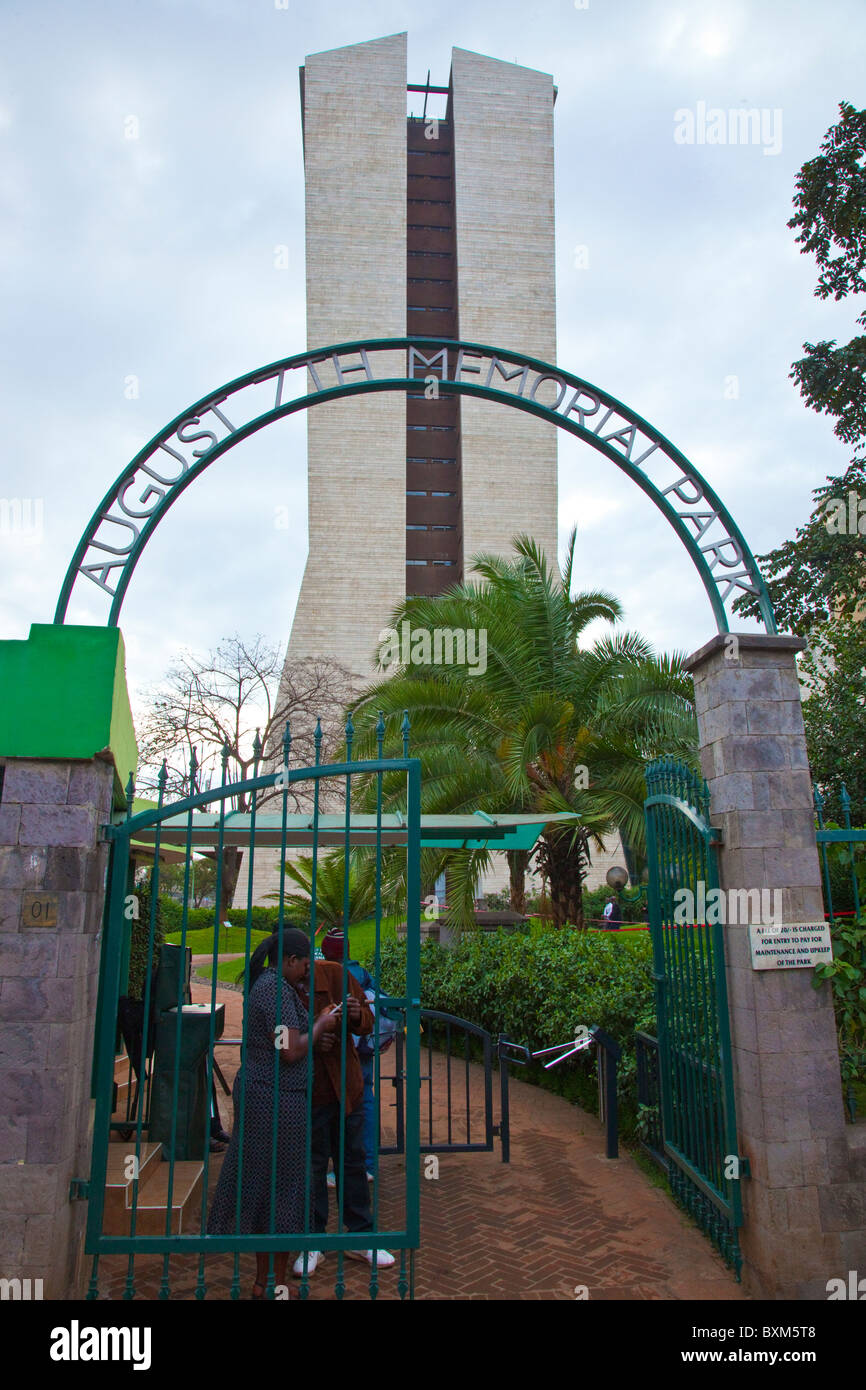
x,y
842,850
609,1054
649,1123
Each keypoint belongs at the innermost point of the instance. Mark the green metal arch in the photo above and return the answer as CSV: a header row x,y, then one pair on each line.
x,y
455,387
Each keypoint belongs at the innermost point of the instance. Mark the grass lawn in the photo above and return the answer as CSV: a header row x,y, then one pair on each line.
x,y
227,971
200,942
362,940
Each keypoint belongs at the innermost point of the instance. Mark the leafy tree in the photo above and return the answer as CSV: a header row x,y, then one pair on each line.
x,y
831,225
547,727
817,581
231,708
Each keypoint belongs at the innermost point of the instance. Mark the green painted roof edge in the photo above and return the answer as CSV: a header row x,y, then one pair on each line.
x,y
65,697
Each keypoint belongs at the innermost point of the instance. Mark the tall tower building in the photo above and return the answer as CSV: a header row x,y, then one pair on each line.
x,y
441,227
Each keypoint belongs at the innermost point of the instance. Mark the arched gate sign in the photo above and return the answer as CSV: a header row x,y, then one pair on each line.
x,y
130,511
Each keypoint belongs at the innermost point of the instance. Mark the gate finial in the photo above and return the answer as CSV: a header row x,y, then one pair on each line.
x,y
380,734
193,769
317,739
405,727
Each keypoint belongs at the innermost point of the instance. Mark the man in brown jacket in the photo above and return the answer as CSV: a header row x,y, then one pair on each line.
x,y
325,1134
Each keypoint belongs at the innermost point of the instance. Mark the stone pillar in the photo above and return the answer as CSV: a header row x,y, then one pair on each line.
x,y
805,1201
52,862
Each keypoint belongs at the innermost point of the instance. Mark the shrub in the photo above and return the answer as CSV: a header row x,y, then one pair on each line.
x,y
536,990
140,937
261,918
847,973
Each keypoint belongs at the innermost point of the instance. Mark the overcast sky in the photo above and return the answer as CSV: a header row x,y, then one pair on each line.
x,y
679,287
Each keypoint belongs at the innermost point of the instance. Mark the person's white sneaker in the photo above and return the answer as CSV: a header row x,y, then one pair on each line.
x,y
331,1179
384,1259
370,1177
313,1257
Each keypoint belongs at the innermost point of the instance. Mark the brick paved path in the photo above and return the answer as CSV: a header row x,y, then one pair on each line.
x,y
558,1216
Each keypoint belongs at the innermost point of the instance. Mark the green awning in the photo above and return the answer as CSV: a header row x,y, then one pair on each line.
x,y
478,830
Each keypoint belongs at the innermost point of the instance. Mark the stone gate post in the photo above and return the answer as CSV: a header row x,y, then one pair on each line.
x,y
805,1201
66,747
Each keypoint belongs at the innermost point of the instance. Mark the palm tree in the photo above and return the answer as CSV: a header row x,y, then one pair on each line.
x,y
546,726
340,896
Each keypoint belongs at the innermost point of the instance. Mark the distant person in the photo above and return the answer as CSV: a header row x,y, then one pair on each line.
x,y
612,915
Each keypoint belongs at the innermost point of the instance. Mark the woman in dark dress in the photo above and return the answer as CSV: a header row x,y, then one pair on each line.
x,y
256,1082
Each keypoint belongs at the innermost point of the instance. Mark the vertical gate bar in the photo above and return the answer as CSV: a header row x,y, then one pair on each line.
x,y
846,813
691,874
819,811
165,1283
308,1156
448,1074
677,996
468,1100
400,1071
715,963
708,968
413,993
340,1286
242,1089
148,976
377,967
504,1114
689,871
201,1285
278,1040
727,1064
656,934
112,948
488,1092
430,1027
704,965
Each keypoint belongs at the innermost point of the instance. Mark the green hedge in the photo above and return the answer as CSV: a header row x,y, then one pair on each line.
x,y
537,990
261,918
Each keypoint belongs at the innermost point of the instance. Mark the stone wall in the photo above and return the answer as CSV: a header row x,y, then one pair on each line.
x,y
805,1201
50,818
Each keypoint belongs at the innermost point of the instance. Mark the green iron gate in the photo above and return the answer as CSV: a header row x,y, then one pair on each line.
x,y
698,1117
152,1174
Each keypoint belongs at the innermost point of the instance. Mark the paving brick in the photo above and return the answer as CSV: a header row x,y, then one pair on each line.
x,y
558,1215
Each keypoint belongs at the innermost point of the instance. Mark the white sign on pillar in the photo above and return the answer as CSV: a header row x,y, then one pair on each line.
x,y
789,946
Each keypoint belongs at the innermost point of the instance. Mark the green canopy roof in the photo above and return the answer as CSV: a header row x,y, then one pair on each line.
x,y
477,830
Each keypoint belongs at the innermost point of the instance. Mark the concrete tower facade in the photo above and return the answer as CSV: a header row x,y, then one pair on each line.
x,y
443,228
437,227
